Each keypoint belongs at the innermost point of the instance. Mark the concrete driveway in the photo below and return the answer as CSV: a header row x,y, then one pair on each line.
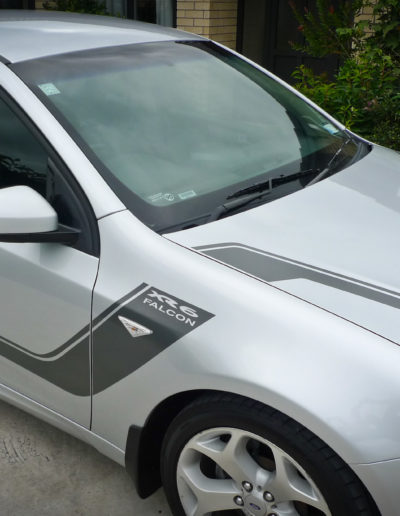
x,y
45,472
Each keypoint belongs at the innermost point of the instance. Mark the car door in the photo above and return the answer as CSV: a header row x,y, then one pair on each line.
x,y
46,288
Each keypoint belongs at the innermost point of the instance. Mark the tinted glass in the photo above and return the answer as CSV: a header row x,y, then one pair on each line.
x,y
22,160
25,161
175,127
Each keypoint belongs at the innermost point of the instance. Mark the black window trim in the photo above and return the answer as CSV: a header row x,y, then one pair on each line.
x,y
53,155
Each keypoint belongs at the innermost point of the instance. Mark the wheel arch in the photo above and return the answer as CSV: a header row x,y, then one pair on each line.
x,y
143,445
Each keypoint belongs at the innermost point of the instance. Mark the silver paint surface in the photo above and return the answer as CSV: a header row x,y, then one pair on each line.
x,y
337,378
347,225
32,34
302,351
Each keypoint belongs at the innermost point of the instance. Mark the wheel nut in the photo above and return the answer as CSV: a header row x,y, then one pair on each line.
x,y
247,486
238,500
269,497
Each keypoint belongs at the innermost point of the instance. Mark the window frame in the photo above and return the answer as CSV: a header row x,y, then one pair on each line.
x,y
91,236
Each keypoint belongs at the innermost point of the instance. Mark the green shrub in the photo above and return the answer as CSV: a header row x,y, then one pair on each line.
x,y
365,92
364,95
385,27
329,30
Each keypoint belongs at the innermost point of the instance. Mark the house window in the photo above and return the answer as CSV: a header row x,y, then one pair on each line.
x,y
155,11
162,12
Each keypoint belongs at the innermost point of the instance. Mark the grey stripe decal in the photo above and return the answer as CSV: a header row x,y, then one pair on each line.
x,y
80,335
270,267
115,353
71,371
100,318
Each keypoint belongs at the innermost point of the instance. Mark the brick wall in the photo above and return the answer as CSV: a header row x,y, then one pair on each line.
x,y
215,19
366,13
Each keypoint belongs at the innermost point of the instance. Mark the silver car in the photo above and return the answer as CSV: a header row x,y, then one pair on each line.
x,y
199,270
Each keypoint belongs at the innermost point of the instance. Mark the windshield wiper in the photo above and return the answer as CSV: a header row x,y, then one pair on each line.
x,y
254,192
271,183
329,166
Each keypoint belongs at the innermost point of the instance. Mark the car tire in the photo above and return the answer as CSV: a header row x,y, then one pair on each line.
x,y
228,455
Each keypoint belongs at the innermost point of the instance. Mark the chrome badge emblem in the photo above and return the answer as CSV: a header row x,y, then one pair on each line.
x,y
133,328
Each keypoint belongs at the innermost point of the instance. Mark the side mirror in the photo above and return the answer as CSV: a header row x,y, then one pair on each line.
x,y
25,216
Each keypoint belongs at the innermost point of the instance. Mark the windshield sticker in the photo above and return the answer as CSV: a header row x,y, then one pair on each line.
x,y
331,128
161,197
169,197
155,197
49,89
187,195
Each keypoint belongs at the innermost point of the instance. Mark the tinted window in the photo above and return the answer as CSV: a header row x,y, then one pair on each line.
x,y
24,160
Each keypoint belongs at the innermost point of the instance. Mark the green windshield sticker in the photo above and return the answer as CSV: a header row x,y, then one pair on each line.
x,y
49,89
331,128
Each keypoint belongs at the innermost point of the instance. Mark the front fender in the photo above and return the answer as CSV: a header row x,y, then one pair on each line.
x,y
337,379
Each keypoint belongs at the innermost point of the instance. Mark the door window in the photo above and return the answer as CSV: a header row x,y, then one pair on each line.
x,y
23,161
26,160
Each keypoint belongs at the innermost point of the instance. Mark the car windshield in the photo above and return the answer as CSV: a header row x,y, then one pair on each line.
x,y
176,127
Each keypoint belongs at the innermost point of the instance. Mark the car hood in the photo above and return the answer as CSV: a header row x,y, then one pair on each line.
x,y
335,244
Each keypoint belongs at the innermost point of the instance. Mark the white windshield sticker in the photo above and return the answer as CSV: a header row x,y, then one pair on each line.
x,y
187,195
156,197
159,197
49,89
169,197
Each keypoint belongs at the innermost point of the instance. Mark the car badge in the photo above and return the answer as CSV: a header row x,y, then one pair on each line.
x,y
133,328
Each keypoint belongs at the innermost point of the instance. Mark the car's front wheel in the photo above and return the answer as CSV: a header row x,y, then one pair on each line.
x,y
226,455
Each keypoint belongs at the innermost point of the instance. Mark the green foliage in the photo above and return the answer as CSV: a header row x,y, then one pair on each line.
x,y
365,93
328,30
386,26
77,6
331,30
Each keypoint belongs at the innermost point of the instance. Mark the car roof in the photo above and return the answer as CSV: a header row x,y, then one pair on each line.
x,y
32,34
